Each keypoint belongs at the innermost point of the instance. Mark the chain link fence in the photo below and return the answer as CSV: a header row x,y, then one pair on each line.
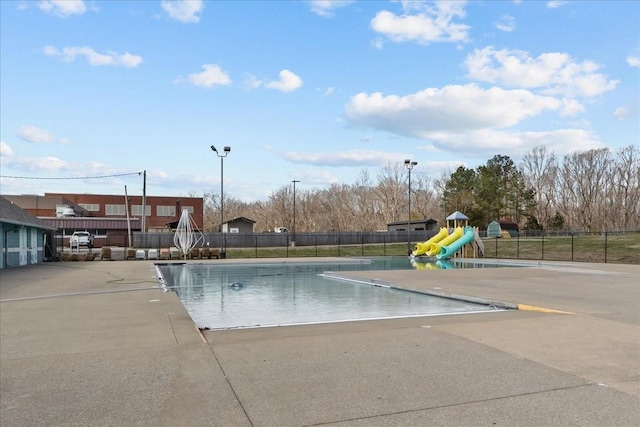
x,y
610,246
613,247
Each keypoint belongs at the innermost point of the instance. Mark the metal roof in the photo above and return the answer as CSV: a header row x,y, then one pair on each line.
x,y
240,218
457,215
413,221
92,223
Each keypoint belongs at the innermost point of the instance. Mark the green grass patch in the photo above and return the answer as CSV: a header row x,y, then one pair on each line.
x,y
614,248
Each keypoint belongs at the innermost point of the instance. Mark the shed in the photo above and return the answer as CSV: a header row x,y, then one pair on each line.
x,y
25,239
502,228
494,230
414,224
239,225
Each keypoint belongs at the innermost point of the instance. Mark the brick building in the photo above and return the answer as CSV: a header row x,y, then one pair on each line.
x,y
105,216
159,211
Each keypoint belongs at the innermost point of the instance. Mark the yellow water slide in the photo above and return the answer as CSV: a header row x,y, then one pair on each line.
x,y
434,248
421,248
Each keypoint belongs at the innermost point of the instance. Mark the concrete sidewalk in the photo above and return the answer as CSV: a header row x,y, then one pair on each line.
x,y
97,343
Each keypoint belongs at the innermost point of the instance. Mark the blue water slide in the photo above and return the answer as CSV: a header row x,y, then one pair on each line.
x,y
447,251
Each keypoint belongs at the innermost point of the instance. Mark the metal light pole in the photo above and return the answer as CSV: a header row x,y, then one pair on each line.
x,y
293,238
226,151
409,165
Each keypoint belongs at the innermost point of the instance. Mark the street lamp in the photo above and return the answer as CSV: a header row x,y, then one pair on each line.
x,y
226,151
409,165
293,238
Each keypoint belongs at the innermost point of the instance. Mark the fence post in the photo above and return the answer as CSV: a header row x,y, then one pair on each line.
x,y
542,244
338,245
518,247
316,242
606,234
256,246
496,246
572,246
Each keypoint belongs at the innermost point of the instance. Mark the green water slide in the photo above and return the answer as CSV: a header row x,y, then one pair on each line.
x,y
447,251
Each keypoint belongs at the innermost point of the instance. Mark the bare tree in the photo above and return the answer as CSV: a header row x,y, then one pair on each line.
x,y
391,192
592,190
425,202
280,203
211,215
540,169
583,188
625,191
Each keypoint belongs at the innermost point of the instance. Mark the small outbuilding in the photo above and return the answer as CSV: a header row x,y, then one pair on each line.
x,y
414,224
24,238
239,225
502,228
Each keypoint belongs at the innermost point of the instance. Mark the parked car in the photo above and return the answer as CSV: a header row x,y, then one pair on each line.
x,y
81,238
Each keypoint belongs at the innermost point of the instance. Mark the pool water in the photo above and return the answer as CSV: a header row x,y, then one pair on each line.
x,y
222,296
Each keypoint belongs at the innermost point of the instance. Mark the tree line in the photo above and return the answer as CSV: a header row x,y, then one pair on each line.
x,y
592,191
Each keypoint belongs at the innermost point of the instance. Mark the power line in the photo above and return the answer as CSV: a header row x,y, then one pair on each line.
x,y
78,177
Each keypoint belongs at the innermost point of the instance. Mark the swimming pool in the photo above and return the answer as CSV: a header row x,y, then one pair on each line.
x,y
223,296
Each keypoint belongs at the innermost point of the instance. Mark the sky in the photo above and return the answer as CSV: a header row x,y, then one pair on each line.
x,y
92,93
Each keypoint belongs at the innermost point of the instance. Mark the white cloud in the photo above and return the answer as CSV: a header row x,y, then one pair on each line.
x,y
39,136
431,24
288,82
435,168
554,4
5,149
452,108
317,177
633,61
348,158
186,11
41,164
63,8
252,82
69,54
328,7
552,73
507,23
377,43
622,113
210,76
477,143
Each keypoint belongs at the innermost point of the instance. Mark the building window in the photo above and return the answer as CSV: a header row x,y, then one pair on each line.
x,y
165,211
189,209
91,207
115,210
137,210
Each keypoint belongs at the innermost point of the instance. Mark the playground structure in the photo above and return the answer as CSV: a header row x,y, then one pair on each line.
x,y
457,239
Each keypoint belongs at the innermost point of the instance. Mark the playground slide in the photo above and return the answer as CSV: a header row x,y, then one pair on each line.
x,y
434,248
446,251
421,248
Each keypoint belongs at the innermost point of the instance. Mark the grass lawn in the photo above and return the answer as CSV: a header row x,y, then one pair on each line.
x,y
614,248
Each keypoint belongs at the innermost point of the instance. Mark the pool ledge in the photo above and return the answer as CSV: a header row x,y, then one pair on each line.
x,y
464,298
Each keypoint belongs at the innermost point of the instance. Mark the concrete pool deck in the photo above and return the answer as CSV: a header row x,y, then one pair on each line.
x,y
96,343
